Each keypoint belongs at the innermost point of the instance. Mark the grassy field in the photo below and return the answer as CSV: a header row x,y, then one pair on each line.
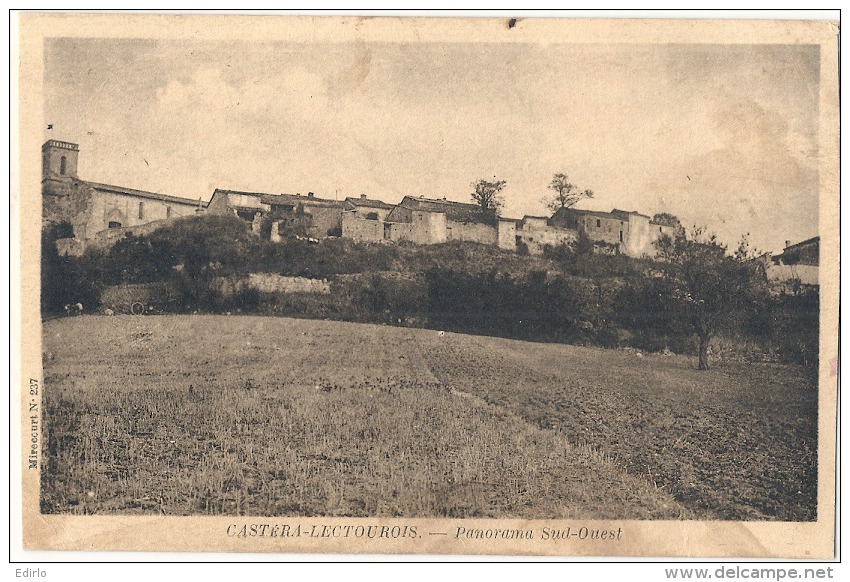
x,y
270,416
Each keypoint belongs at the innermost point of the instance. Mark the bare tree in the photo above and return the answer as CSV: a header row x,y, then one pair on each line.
x,y
486,195
566,193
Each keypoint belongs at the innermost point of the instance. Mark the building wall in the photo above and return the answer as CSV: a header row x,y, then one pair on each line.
x,y
534,223
274,283
400,214
359,228
324,219
507,235
805,253
424,228
429,227
638,238
536,236
604,229
131,210
108,237
806,274
247,201
398,231
471,232
66,201
89,208
633,233
364,211
219,204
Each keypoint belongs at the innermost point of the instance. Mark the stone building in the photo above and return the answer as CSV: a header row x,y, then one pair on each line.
x,y
431,221
288,213
425,221
536,233
367,208
628,232
797,264
363,219
98,213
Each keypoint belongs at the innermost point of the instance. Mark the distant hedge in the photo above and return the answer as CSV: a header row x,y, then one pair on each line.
x,y
570,295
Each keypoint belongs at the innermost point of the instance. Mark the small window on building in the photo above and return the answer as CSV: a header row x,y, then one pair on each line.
x,y
598,223
168,212
245,214
659,229
621,236
372,216
114,224
141,209
63,165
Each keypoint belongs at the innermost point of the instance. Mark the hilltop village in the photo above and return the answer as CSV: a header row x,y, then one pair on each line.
x,y
122,250
101,214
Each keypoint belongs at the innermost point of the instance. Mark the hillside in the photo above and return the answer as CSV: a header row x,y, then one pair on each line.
x,y
568,295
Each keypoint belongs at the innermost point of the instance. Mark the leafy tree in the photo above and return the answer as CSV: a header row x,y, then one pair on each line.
x,y
566,193
487,195
667,219
707,286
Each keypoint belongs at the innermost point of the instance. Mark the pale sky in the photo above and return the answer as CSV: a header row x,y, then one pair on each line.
x,y
720,135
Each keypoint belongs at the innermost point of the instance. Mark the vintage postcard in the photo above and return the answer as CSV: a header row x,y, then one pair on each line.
x,y
502,286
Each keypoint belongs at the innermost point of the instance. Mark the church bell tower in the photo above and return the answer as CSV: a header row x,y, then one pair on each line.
x,y
59,160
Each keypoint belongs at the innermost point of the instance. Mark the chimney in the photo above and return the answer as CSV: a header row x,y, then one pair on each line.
x,y
310,194
362,197
787,243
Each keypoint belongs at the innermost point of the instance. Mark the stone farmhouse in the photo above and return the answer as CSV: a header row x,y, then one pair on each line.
x,y
797,264
101,214
429,221
632,233
316,217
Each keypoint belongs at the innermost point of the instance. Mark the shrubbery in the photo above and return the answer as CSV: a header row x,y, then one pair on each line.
x,y
571,295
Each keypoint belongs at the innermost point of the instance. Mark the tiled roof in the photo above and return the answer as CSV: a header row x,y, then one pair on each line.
x,y
617,211
295,199
561,211
280,199
456,211
810,241
141,193
366,202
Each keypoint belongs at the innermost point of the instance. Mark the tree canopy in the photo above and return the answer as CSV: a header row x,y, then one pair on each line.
x,y
566,194
707,285
487,195
667,219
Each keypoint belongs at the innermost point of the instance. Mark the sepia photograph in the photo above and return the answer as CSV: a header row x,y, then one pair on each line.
x,y
406,285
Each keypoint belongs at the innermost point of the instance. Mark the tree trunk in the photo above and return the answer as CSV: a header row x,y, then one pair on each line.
x,y
703,351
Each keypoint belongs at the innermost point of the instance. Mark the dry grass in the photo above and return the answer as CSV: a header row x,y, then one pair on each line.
x,y
274,416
